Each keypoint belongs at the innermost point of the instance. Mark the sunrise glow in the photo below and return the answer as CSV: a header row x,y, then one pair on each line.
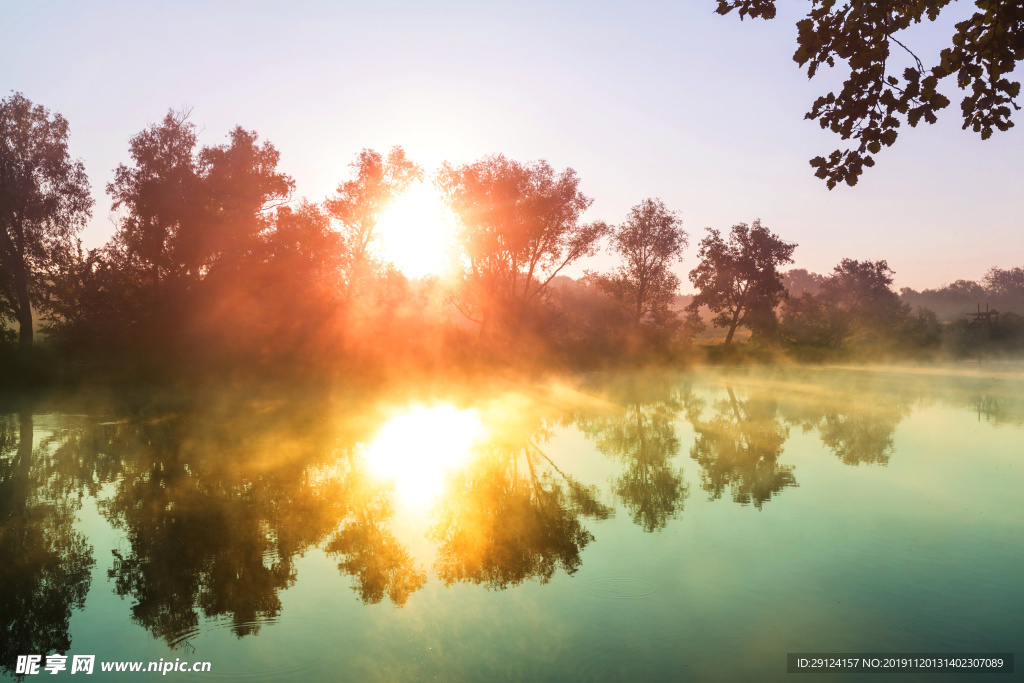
x,y
415,233
418,448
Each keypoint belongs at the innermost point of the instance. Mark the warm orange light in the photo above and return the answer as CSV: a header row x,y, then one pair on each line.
x,y
416,233
418,448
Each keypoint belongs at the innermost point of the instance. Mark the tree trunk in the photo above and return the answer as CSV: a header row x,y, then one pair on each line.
x,y
24,309
732,331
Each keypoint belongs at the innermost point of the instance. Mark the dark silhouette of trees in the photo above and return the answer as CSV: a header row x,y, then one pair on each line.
x,y
520,226
188,214
739,279
191,238
649,241
855,298
1006,283
44,201
359,203
875,98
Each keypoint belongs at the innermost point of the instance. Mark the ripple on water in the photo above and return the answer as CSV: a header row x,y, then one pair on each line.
x,y
271,668
622,587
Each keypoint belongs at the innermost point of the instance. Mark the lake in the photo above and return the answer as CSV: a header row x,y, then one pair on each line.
x,y
650,526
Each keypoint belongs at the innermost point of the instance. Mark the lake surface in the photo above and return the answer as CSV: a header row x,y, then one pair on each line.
x,y
692,526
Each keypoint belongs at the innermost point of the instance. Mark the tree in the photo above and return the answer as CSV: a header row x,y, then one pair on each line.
x,y
190,213
739,279
874,100
44,202
649,241
158,194
857,297
1005,283
360,202
520,226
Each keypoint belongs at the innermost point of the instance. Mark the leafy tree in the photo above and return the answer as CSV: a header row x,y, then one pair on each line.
x,y
159,197
875,98
359,203
1005,282
857,297
44,201
738,279
649,241
190,213
520,226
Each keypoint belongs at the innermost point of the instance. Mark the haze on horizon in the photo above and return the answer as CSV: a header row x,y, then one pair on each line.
x,y
659,99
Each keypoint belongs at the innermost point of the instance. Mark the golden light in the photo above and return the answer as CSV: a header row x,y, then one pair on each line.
x,y
416,450
416,232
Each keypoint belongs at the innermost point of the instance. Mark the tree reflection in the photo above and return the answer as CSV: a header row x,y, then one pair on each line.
x,y
215,511
380,566
855,421
513,516
641,434
738,448
47,565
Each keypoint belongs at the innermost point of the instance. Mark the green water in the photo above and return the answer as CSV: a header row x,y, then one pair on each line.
x,y
696,526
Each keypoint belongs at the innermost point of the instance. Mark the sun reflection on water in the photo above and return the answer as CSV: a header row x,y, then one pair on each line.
x,y
417,448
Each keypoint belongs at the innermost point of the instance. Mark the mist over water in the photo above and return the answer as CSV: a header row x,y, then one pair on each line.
x,y
625,525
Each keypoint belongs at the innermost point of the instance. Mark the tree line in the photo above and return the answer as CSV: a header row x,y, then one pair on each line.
x,y
213,261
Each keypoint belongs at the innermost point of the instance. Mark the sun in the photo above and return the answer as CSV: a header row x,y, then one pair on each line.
x,y
416,232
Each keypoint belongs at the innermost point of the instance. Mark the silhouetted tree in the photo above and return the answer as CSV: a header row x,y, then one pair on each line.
x,y
855,298
520,226
649,241
738,279
874,100
44,201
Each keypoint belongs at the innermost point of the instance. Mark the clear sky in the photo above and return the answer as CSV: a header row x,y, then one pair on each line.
x,y
662,99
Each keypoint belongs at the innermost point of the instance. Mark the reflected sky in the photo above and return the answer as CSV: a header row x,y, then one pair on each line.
x,y
835,505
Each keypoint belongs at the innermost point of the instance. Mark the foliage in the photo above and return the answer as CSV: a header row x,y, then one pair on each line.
x,y
739,280
649,241
875,98
520,226
44,201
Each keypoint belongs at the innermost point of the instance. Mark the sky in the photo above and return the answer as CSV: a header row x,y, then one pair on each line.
x,y
642,99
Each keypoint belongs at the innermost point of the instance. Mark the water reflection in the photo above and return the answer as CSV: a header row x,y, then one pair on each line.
x,y
738,446
46,567
216,500
512,516
418,447
640,433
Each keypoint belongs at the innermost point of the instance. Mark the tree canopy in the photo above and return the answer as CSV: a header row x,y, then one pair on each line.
x,y
739,279
877,97
44,202
520,226
649,241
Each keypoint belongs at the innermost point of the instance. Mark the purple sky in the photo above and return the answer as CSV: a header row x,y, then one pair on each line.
x,y
643,99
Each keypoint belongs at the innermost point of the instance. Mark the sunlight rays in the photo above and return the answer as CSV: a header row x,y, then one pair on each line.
x,y
416,232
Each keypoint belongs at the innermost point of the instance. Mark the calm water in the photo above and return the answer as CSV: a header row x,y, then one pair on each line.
x,y
645,527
